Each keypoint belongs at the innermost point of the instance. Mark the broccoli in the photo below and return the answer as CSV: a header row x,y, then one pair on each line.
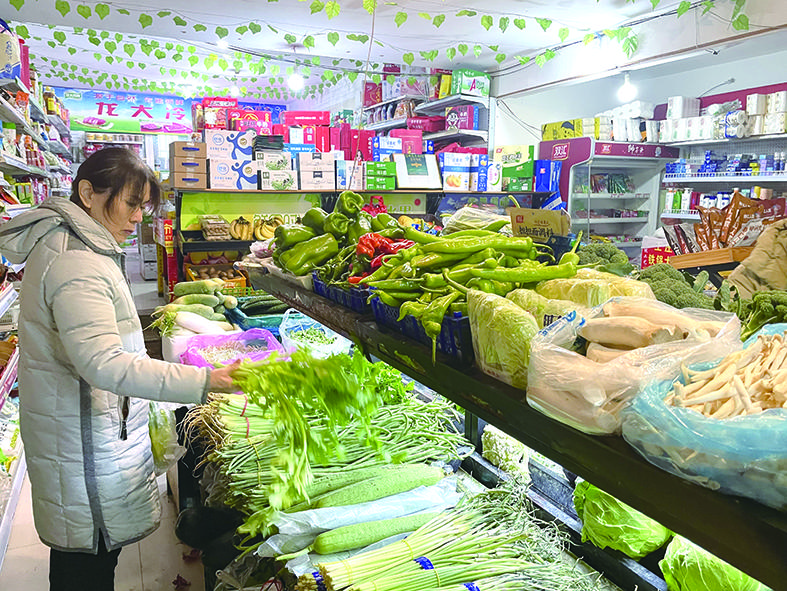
x,y
765,307
669,286
601,253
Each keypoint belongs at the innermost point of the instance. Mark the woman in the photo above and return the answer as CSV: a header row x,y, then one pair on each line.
x,y
84,376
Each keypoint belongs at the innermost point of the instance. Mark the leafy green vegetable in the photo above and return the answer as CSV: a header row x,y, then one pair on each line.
x,y
687,567
608,523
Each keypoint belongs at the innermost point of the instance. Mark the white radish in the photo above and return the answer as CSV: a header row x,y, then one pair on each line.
x,y
198,324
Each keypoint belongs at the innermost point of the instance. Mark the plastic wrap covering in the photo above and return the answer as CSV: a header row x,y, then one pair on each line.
x,y
252,345
294,322
163,437
592,288
474,218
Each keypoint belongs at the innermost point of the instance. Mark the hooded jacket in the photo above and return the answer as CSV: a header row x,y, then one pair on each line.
x,y
82,366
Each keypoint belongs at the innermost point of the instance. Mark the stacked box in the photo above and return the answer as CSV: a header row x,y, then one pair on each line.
x,y
233,175
479,170
380,176
562,130
383,147
317,171
229,145
145,242
494,177
472,82
412,140
188,165
519,176
679,107
461,117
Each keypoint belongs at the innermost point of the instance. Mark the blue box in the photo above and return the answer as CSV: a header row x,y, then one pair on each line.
x,y
383,154
547,175
428,146
479,168
387,143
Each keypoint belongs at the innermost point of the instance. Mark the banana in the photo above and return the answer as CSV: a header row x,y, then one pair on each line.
x,y
267,230
258,232
234,230
278,220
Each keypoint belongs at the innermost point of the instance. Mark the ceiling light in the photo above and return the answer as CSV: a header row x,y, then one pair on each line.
x,y
627,92
222,43
295,82
235,91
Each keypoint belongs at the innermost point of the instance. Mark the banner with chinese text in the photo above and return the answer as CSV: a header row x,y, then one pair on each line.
x,y
126,112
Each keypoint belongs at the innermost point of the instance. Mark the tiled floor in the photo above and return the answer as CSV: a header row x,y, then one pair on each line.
x,y
149,565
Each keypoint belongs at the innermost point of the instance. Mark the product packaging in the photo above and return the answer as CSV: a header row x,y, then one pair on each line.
x,y
232,145
455,170
233,174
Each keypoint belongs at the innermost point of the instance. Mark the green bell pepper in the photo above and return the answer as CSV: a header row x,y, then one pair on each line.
x,y
305,256
362,225
315,219
349,204
337,224
288,235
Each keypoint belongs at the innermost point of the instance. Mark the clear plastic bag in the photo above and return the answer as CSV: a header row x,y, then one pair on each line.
x,y
293,322
473,218
588,395
163,437
744,456
255,344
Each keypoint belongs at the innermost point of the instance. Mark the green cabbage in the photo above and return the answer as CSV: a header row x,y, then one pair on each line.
x,y
592,288
608,523
687,567
544,310
501,336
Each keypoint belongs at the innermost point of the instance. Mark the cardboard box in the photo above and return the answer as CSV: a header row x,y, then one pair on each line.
x,y
445,86
517,184
539,224
494,177
412,140
147,252
383,154
547,175
149,270
428,147
278,180
372,94
192,165
561,130
229,145
318,180
520,170
240,175
417,171
316,161
514,153
682,106
273,160
380,183
191,150
323,139
243,120
188,180
145,233
461,117
293,148
472,82
479,166
192,274
387,143
215,111
381,169
306,117
361,142
456,171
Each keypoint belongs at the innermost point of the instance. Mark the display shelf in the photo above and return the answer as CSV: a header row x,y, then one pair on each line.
x,y
58,147
638,220
7,518
387,124
752,138
395,99
14,210
18,167
438,106
453,134
627,243
610,196
59,124
61,169
746,534
683,214
9,113
719,256
726,178
61,191
212,245
7,297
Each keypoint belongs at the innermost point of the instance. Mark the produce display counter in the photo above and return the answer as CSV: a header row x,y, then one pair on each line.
x,y
712,261
746,534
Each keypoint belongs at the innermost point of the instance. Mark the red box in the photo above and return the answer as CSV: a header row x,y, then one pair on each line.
x,y
306,117
261,127
361,141
372,94
241,119
433,123
462,117
653,256
323,138
24,59
309,134
412,140
215,111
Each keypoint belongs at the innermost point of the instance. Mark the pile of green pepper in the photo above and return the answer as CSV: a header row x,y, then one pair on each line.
x,y
431,278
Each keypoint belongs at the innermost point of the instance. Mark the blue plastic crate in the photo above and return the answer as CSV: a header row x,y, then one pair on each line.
x,y
455,337
354,298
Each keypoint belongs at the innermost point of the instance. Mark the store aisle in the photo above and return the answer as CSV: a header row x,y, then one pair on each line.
x,y
145,293
149,565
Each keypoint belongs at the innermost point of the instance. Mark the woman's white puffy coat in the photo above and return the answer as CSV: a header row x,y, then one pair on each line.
x,y
82,354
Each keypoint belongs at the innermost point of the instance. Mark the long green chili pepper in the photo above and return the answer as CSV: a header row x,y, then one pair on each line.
x,y
470,233
438,260
470,245
571,256
397,284
420,237
527,273
412,308
388,300
432,320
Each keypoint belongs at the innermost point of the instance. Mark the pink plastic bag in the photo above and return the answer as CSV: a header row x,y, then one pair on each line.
x,y
198,349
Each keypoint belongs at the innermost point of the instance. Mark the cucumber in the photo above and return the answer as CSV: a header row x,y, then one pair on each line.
x,y
198,298
360,535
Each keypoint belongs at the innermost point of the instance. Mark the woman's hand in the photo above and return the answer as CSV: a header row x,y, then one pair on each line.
x,y
221,378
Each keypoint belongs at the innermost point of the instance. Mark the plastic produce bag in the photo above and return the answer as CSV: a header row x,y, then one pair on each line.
x,y
544,310
608,523
163,437
323,342
298,530
588,395
744,456
255,344
307,563
474,218
592,288
501,336
687,567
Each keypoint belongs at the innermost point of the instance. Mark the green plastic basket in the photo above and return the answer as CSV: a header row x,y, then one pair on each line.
x,y
240,292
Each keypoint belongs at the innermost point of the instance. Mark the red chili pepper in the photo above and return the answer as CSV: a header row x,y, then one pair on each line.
x,y
357,279
369,244
377,261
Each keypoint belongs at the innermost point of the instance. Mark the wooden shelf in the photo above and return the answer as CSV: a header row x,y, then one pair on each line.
x,y
722,256
746,534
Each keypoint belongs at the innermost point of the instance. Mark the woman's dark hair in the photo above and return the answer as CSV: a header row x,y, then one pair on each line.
x,y
113,169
